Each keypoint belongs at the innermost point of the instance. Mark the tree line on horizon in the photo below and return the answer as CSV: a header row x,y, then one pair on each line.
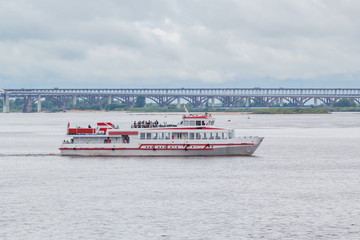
x,y
16,105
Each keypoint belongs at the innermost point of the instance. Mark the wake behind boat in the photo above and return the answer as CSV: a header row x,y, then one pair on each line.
x,y
195,135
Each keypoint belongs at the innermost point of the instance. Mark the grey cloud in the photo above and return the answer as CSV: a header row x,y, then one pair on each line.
x,y
173,43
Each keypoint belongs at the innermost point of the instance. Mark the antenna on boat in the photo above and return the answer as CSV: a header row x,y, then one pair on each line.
x,y
186,110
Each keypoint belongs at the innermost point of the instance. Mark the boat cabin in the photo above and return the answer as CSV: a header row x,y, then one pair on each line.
x,y
197,120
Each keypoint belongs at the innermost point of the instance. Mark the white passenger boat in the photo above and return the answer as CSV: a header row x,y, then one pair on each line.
x,y
195,135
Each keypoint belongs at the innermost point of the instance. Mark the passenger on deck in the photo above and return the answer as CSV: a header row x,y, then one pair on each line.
x,y
89,126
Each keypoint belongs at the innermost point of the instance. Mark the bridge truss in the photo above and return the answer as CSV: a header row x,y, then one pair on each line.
x,y
197,97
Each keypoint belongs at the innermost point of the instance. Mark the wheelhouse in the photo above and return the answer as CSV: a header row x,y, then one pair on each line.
x,y
197,120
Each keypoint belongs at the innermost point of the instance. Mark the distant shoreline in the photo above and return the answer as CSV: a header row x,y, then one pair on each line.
x,y
138,112
244,111
255,111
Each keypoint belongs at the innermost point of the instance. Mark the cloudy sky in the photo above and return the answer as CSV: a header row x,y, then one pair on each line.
x,y
179,43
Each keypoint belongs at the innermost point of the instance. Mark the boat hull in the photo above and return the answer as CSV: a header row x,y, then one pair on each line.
x,y
232,150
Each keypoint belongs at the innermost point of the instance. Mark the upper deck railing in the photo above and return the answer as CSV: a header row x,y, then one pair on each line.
x,y
178,92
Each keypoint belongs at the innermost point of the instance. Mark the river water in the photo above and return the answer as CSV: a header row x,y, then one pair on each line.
x,y
302,183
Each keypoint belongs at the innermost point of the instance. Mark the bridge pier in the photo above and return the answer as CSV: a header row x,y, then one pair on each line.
x,y
213,102
315,102
247,102
27,108
6,103
178,103
109,99
39,103
133,99
74,100
281,102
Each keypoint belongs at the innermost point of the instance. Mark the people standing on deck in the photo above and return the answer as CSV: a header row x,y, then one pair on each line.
x,y
145,124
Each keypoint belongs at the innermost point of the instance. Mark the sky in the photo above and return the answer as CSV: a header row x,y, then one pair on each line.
x,y
179,43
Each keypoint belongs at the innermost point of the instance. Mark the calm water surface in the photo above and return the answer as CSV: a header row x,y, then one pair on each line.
x,y
302,183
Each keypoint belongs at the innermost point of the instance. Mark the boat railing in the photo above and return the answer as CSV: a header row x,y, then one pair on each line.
x,y
153,125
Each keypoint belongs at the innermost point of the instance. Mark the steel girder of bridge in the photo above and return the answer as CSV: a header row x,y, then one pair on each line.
x,y
195,96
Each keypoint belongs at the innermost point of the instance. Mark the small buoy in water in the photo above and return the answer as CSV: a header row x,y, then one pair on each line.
x,y
229,120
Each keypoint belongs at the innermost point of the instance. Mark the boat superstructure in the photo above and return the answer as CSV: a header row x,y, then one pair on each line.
x,y
195,135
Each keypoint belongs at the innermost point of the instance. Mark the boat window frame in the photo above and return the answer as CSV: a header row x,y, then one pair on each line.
x,y
148,136
211,136
155,135
217,135
167,135
204,135
191,135
197,136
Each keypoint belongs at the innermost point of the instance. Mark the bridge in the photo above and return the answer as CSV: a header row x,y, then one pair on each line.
x,y
197,97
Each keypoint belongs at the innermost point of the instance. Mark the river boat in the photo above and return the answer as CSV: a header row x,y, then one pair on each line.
x,y
195,135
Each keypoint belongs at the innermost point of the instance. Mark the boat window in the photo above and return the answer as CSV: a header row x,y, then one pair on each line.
x,y
155,135
148,135
204,136
192,123
198,136
161,136
230,135
176,135
198,123
212,136
192,135
167,135
203,123
224,135
218,136
142,135
186,123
